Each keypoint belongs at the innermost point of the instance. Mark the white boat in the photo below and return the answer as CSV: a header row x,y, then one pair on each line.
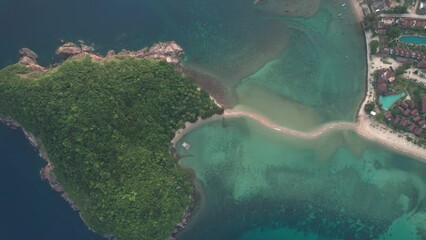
x,y
186,145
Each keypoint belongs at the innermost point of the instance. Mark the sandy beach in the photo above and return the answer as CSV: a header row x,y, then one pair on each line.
x,y
230,113
357,9
291,132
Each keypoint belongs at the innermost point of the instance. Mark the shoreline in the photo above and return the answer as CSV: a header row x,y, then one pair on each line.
x,y
364,127
357,10
229,113
46,173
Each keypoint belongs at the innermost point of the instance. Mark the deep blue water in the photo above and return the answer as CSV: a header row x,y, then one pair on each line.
x,y
29,209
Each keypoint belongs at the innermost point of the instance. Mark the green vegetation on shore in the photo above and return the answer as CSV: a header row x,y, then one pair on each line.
x,y
106,127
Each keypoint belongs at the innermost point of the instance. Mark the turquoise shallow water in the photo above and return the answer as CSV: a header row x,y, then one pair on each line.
x,y
413,39
317,78
260,185
388,101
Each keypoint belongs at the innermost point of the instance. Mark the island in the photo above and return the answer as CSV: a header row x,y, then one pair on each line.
x,y
105,125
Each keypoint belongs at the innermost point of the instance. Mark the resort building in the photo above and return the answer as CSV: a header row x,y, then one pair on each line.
x,y
378,5
422,8
384,77
411,23
424,104
403,54
386,22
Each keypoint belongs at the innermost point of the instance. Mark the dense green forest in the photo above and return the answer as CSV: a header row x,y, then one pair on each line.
x,y
106,127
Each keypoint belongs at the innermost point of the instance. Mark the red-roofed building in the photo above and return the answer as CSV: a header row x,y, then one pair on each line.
x,y
418,131
412,127
407,112
422,64
397,119
384,76
388,115
416,118
404,123
424,104
382,88
412,23
404,105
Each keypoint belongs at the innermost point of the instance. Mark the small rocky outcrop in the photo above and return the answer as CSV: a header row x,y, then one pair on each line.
x,y
181,225
111,53
29,59
26,52
169,51
87,48
70,49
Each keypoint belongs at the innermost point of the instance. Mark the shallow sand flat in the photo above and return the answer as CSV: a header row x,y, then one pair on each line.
x,y
320,73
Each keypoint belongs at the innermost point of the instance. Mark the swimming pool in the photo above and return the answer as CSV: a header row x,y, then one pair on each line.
x,y
388,101
413,39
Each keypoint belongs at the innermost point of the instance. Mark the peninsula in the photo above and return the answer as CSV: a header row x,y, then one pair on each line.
x,y
105,123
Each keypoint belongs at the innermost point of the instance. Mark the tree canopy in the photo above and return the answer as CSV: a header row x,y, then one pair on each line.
x,y
374,45
106,127
394,32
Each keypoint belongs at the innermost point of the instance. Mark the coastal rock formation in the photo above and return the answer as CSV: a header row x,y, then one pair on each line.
x,y
87,48
180,226
29,59
168,51
111,53
68,49
26,52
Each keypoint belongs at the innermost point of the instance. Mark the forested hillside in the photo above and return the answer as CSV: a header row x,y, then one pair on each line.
x,y
106,127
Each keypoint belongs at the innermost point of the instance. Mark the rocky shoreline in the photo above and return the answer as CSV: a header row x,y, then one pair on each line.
x,y
170,52
46,172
